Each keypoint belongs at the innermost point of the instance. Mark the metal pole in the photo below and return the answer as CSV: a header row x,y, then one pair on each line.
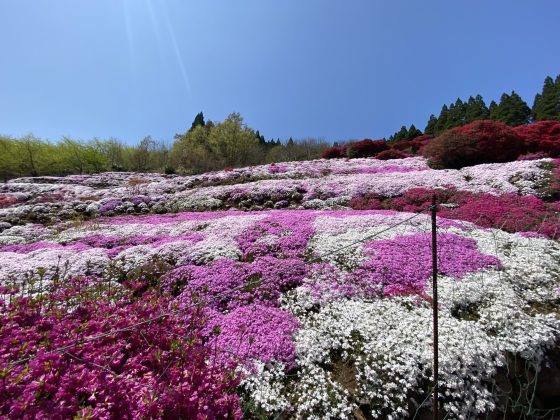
x,y
435,406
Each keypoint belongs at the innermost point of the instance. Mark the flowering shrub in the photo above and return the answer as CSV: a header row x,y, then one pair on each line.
x,y
156,370
509,212
414,146
479,142
333,153
391,154
254,333
365,148
541,137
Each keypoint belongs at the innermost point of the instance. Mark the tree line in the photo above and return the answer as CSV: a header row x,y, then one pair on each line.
x,y
206,146
511,110
213,145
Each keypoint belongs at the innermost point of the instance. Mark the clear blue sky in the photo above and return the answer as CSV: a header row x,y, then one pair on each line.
x,y
320,68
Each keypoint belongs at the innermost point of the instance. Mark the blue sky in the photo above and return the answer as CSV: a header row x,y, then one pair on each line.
x,y
331,69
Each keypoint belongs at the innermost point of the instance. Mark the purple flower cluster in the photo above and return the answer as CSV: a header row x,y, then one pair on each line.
x,y
400,266
404,264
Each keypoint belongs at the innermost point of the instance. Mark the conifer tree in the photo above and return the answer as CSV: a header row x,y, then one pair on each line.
x,y
547,104
442,119
413,132
493,110
431,126
456,116
402,134
476,109
198,120
512,110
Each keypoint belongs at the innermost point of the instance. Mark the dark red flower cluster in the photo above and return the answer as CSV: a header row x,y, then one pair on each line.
x,y
479,142
509,212
541,137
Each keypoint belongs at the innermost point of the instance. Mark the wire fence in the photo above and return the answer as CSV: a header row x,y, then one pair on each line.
x,y
423,221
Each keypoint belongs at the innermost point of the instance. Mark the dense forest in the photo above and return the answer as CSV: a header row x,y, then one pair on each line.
x,y
211,145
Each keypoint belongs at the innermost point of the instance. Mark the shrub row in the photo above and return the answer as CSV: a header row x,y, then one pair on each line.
x,y
484,141
509,212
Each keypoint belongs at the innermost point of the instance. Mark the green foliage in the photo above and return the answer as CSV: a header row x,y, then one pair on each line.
x,y
406,134
198,121
431,126
31,156
512,110
231,143
476,109
547,103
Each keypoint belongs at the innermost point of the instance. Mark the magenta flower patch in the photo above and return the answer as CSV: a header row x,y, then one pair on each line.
x,y
404,264
254,332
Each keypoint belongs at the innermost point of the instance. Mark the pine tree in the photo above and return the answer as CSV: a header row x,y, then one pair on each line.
x,y
547,104
260,137
512,110
413,132
198,120
518,112
402,134
431,126
476,109
456,116
442,119
493,110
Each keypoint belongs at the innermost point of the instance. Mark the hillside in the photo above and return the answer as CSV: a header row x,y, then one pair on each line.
x,y
304,287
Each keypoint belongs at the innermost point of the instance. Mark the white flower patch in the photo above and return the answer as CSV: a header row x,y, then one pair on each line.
x,y
66,261
11,239
266,386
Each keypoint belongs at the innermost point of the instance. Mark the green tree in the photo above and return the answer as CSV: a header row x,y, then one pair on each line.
x,y
442,122
456,116
35,156
476,109
402,134
114,152
78,157
431,126
512,110
493,110
233,143
413,132
198,121
9,159
547,104
140,157
191,152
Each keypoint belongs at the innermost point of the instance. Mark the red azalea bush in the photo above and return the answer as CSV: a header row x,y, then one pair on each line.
x,y
391,154
366,202
412,146
509,212
542,136
333,153
156,370
479,142
365,148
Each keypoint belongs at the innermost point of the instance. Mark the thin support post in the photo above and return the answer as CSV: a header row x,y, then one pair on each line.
x,y
435,405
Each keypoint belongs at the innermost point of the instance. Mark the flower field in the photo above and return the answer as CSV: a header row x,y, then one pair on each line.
x,y
297,290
